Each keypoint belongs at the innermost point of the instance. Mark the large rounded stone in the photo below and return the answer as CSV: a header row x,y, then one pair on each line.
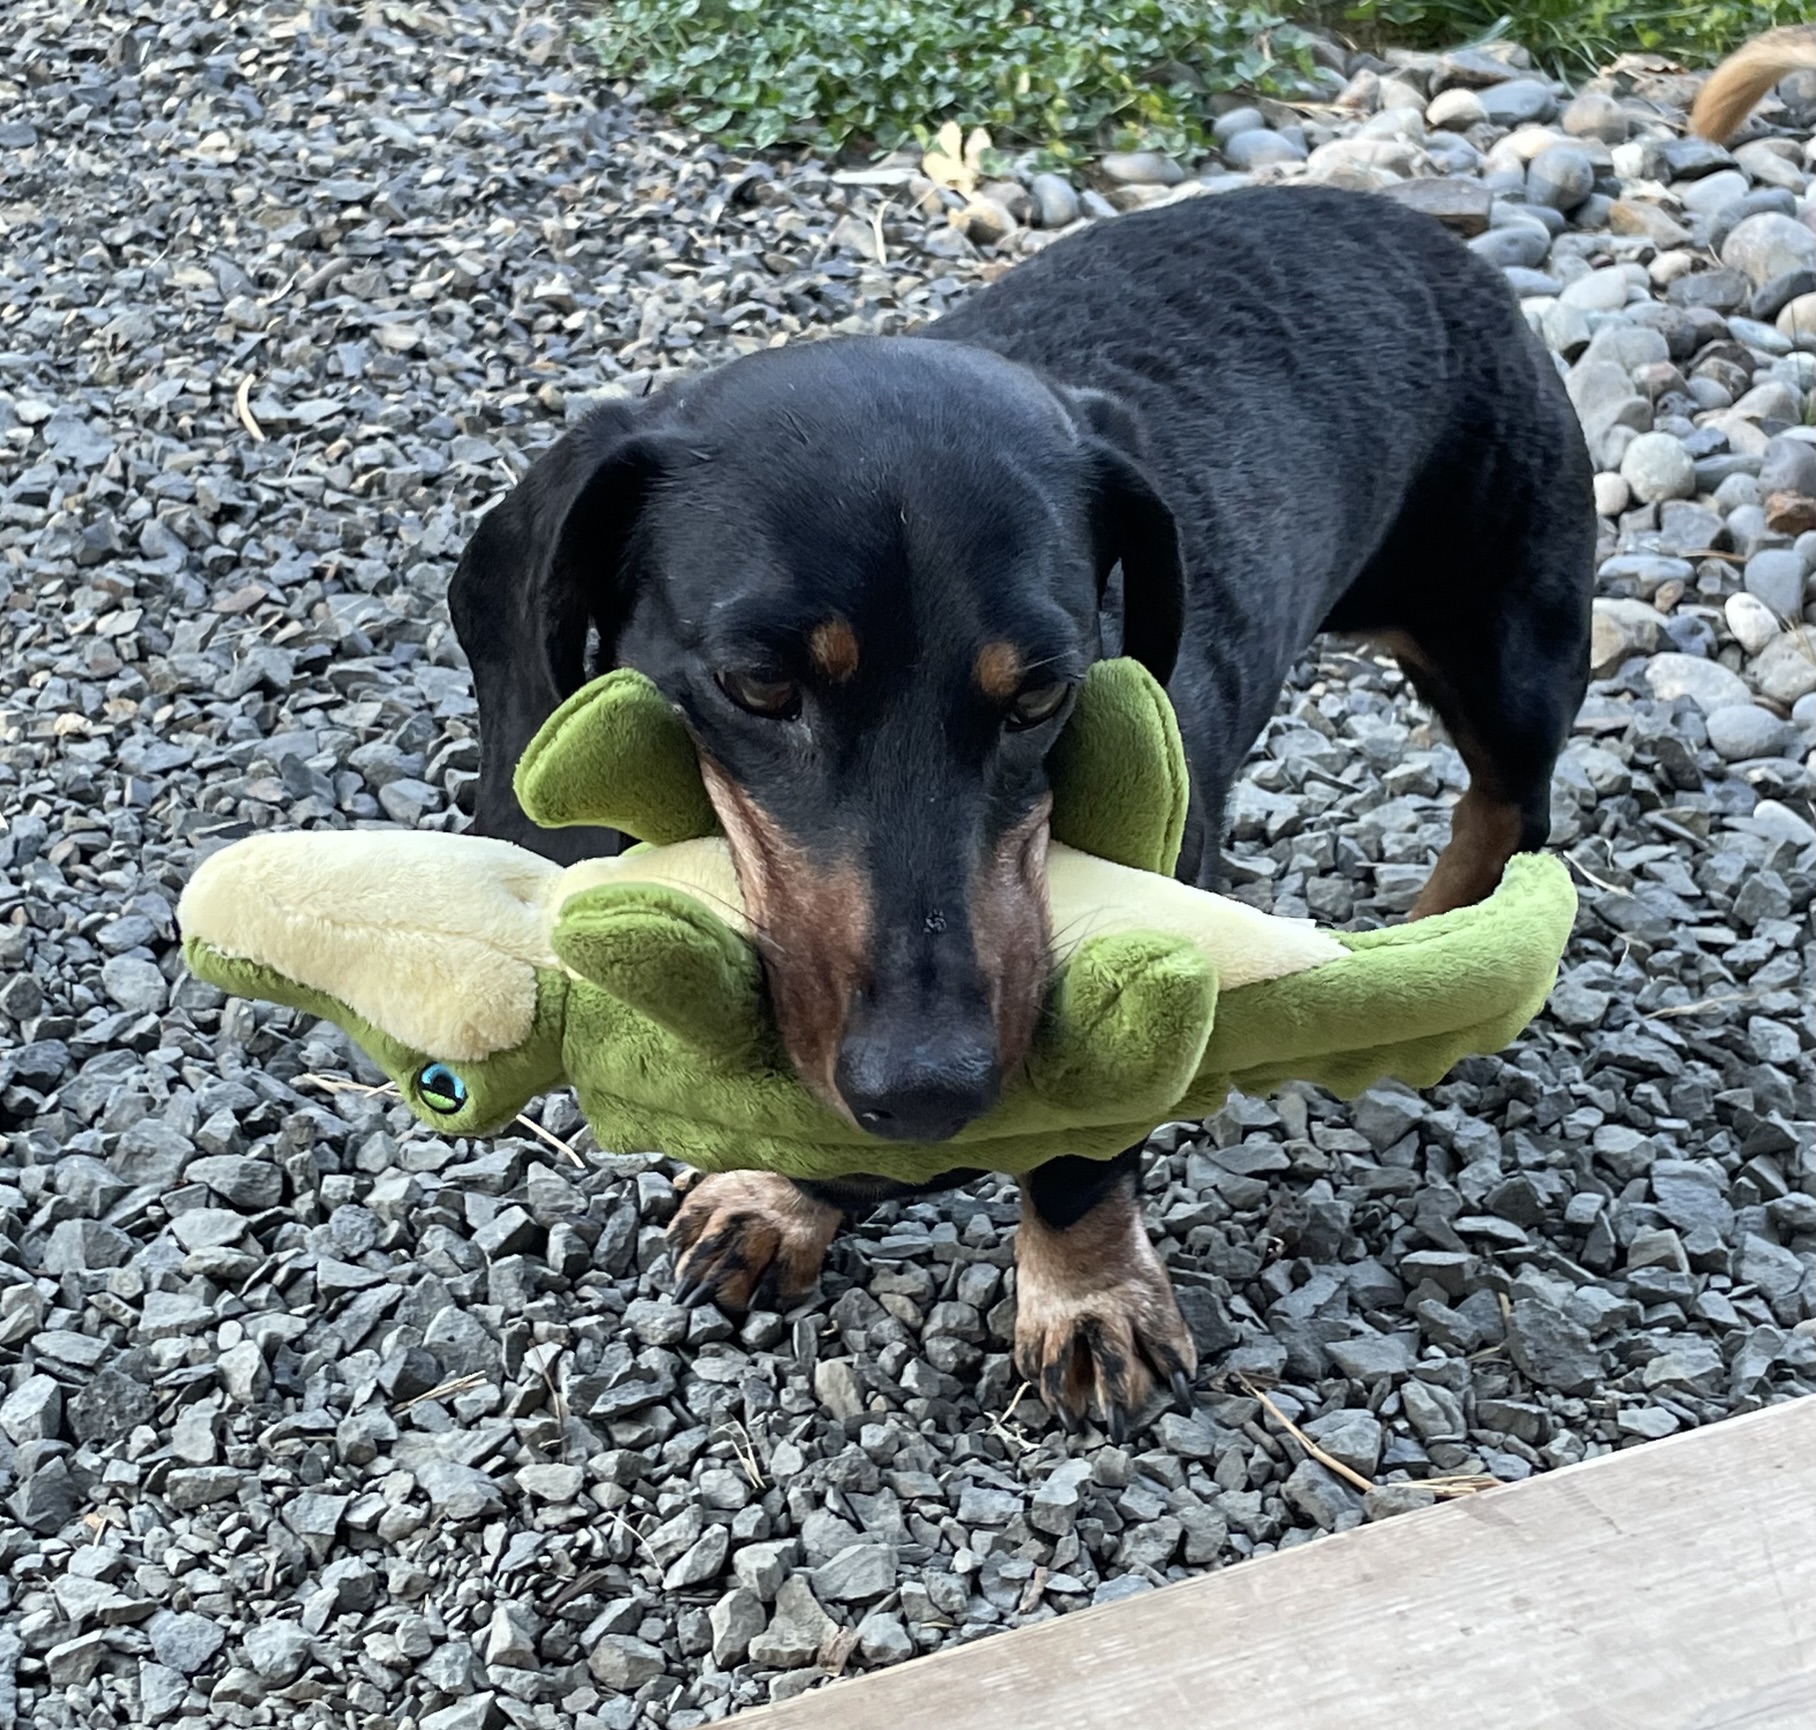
x,y
1606,402
1462,205
1786,667
1656,466
1744,730
1394,123
1141,168
1522,244
1398,93
1596,115
1560,176
1767,201
1769,168
1597,290
1753,623
1775,577
1708,684
1612,495
1797,320
1565,329
1518,101
1717,291
1236,122
1712,193
1789,466
1258,147
1769,246
1055,200
1628,346
1770,400
1455,110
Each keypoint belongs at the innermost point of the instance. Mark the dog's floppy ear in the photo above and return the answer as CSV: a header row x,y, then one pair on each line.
x,y
1134,529
543,566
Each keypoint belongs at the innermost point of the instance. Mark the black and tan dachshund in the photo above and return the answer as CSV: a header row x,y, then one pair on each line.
x,y
869,573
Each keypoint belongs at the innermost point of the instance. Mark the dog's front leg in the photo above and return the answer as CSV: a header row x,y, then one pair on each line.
x,y
1096,1322
743,1235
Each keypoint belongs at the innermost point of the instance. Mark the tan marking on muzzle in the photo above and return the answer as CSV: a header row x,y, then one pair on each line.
x,y
813,926
1010,932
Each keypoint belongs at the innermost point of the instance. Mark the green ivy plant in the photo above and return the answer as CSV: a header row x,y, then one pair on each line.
x,y
1067,76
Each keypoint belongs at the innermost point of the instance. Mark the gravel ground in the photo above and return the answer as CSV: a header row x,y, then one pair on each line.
x,y
311,1417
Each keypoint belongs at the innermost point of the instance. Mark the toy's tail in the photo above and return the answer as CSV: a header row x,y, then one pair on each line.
x,y
1747,74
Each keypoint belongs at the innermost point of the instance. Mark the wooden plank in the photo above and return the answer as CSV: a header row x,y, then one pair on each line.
x,y
1669,1587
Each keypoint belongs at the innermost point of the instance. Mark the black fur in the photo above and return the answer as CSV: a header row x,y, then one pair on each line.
x,y
1355,432
1271,412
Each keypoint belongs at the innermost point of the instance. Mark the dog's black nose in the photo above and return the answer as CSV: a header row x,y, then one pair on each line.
x,y
916,1090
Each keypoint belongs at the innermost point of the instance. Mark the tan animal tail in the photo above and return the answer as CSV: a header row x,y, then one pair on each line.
x,y
1747,74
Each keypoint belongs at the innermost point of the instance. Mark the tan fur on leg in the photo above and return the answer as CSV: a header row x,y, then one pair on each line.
x,y
1485,826
734,1229
1095,1317
1484,835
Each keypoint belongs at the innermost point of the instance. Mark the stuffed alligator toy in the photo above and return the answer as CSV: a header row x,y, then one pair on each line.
x,y
477,975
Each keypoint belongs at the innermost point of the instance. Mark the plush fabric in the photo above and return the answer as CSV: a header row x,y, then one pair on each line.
x,y
477,975
439,946
1119,768
615,756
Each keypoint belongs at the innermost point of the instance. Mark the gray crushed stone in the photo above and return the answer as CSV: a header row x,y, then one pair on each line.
x,y
309,1417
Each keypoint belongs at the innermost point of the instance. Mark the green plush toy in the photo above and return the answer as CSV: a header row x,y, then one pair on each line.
x,y
476,974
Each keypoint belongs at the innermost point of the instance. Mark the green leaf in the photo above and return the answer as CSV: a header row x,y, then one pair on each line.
x,y
1067,75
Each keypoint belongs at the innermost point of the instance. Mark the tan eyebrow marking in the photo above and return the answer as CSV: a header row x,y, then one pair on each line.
x,y
834,647
999,670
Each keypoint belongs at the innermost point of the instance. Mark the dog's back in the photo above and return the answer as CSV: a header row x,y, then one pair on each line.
x,y
1344,409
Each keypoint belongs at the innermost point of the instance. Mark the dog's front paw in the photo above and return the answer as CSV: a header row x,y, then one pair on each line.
x,y
1096,1323
740,1235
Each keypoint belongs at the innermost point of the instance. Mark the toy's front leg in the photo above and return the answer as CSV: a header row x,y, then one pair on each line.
x,y
738,1234
1095,1317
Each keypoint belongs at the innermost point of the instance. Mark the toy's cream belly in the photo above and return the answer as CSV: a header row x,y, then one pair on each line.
x,y
1090,897
1087,897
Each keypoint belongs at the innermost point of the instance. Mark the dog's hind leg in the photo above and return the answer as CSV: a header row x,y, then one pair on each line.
x,y
1507,689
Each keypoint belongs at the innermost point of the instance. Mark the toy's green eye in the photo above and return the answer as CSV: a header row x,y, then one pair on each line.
x,y
441,1089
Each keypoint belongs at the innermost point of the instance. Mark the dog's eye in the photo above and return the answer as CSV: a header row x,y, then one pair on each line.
x,y
777,699
1036,704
